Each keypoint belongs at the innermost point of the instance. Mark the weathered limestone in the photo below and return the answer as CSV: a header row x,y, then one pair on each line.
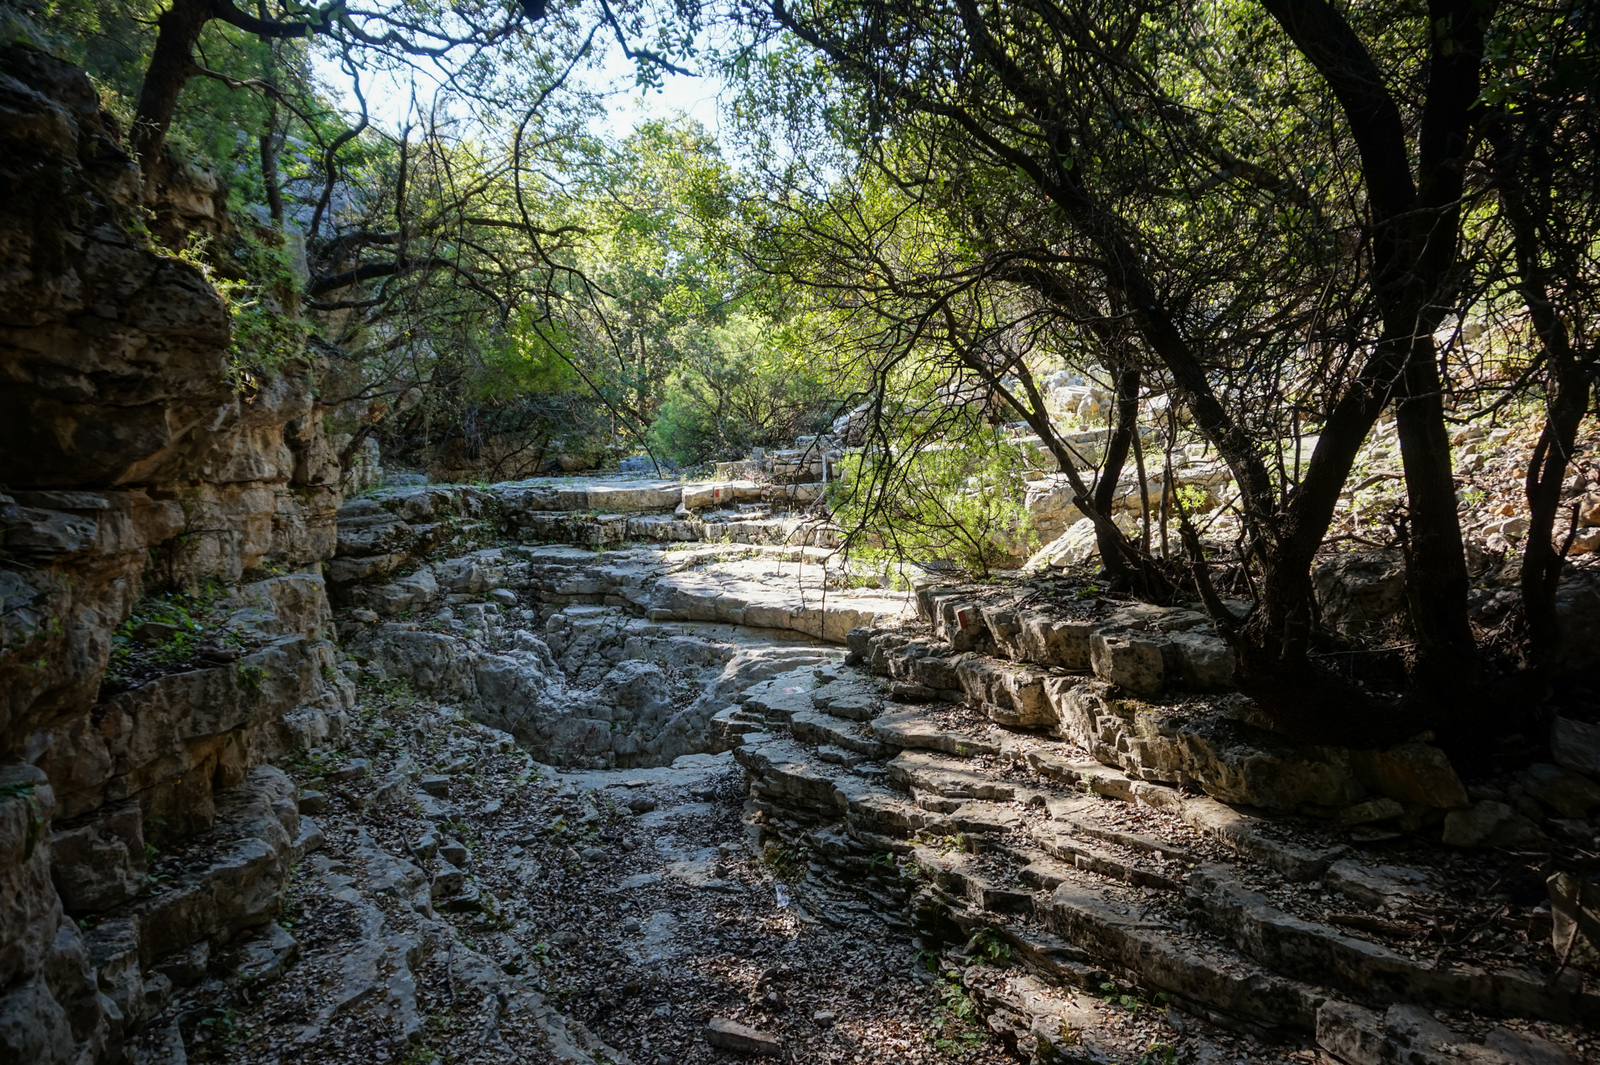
x,y
134,465
1050,887
1141,651
1360,589
1576,745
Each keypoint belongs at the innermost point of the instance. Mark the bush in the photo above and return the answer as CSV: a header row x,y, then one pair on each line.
x,y
958,502
741,385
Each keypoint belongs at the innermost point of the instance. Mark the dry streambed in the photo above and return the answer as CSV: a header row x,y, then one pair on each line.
x,y
469,904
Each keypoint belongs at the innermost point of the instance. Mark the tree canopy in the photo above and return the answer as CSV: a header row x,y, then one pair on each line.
x,y
1270,224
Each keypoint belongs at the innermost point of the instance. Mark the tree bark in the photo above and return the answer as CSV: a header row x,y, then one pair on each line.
x,y
171,65
1107,537
1568,392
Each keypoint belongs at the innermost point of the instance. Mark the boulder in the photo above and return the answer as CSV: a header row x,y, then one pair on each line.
x,y
1359,589
1417,773
1236,763
741,1039
1416,1036
1363,813
1578,620
1128,661
1576,745
100,861
1490,824
1077,544
1569,794
1049,641
1200,662
1004,628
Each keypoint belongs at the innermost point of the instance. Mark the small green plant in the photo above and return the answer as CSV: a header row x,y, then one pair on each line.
x,y
954,1016
958,842
789,864
1192,499
1159,1053
420,1054
988,944
1131,1003
216,1032
250,676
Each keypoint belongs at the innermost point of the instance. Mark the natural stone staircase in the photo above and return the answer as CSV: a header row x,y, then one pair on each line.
x,y
380,532
1080,877
765,568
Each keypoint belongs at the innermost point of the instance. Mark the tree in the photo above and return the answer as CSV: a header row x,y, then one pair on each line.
x,y
1321,158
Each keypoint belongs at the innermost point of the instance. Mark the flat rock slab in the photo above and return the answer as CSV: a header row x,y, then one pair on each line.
x,y
913,729
742,1039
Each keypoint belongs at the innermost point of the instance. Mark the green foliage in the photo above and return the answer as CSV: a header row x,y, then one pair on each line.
x,y
216,1033
959,500
263,307
788,863
740,385
955,1017
1133,1003
1159,1052
173,608
989,945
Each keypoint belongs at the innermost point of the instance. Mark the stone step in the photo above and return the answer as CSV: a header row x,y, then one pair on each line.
x,y
1071,851
575,495
1083,816
781,697
1080,772
873,809
977,816
840,756
1306,949
1252,837
975,879
1290,946
1405,1032
1061,1027
1090,873
952,778
822,729
784,772
735,726
1080,932
915,729
849,699
1124,930
1116,930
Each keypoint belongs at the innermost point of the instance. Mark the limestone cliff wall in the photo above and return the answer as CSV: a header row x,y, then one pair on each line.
x,y
129,462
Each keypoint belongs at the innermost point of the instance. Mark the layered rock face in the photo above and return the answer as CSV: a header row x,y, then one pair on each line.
x,y
130,464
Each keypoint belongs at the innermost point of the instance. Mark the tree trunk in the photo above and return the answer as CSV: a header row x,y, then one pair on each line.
x,y
1436,566
171,64
1123,576
269,170
1567,401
